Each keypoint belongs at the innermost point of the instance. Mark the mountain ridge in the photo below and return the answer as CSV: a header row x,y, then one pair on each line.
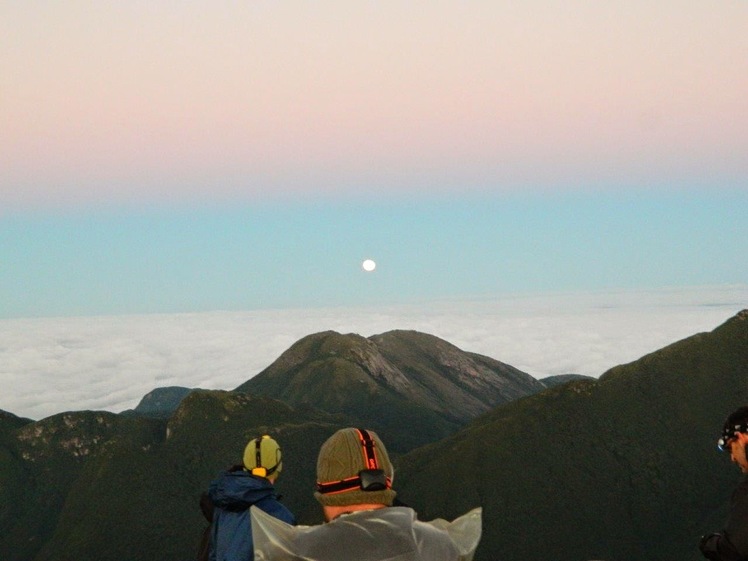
x,y
422,380
623,467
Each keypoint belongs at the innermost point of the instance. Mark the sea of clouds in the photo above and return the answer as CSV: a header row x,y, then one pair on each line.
x,y
51,365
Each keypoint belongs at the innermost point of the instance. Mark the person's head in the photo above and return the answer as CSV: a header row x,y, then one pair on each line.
x,y
734,437
353,473
262,457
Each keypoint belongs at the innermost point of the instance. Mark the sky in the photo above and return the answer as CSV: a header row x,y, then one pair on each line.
x,y
202,160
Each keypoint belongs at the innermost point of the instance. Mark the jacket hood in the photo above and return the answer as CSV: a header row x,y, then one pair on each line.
x,y
239,490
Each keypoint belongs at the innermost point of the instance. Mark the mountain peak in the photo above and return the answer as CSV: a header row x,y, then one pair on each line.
x,y
428,380
161,402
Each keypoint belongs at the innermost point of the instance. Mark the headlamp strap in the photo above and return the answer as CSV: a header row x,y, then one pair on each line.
x,y
259,469
370,455
258,452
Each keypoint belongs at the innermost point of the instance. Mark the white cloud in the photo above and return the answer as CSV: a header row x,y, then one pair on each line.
x,y
51,365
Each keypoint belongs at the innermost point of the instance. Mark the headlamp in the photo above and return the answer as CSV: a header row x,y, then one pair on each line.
x,y
370,479
366,480
728,435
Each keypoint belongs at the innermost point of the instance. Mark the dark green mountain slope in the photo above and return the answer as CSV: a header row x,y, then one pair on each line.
x,y
457,384
14,483
560,379
103,487
622,468
45,459
9,422
392,381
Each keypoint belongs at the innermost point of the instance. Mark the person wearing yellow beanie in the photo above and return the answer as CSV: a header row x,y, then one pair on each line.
x,y
237,489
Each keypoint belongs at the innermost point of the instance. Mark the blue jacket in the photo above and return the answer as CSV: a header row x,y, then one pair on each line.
x,y
232,493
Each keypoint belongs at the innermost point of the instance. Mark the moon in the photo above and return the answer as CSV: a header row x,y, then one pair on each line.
x,y
368,265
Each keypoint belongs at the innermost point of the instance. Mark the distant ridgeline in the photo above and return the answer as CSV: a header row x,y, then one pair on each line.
x,y
567,468
161,402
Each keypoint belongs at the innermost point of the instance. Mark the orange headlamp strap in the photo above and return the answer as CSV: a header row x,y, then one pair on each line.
x,y
370,454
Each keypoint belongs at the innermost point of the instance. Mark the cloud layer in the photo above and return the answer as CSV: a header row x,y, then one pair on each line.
x,y
51,365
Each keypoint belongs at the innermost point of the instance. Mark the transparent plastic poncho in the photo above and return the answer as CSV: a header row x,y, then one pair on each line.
x,y
387,534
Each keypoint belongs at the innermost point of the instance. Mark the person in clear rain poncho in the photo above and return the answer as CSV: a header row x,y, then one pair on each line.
x,y
354,487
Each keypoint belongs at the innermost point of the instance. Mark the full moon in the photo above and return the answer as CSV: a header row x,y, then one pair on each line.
x,y
369,265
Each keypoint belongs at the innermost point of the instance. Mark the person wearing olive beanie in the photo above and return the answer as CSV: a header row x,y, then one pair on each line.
x,y
354,487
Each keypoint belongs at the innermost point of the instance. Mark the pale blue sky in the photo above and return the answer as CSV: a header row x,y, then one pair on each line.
x,y
308,253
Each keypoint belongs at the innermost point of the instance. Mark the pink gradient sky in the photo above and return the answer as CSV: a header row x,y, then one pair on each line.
x,y
146,101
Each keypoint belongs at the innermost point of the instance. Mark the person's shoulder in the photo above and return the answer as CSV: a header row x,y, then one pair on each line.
x,y
742,487
276,509
457,539
404,512
285,514
739,494
430,530
231,471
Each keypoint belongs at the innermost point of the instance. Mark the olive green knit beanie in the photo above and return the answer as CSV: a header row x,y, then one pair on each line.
x,y
343,456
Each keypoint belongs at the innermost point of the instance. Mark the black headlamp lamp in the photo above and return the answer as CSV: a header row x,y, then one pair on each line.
x,y
372,480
